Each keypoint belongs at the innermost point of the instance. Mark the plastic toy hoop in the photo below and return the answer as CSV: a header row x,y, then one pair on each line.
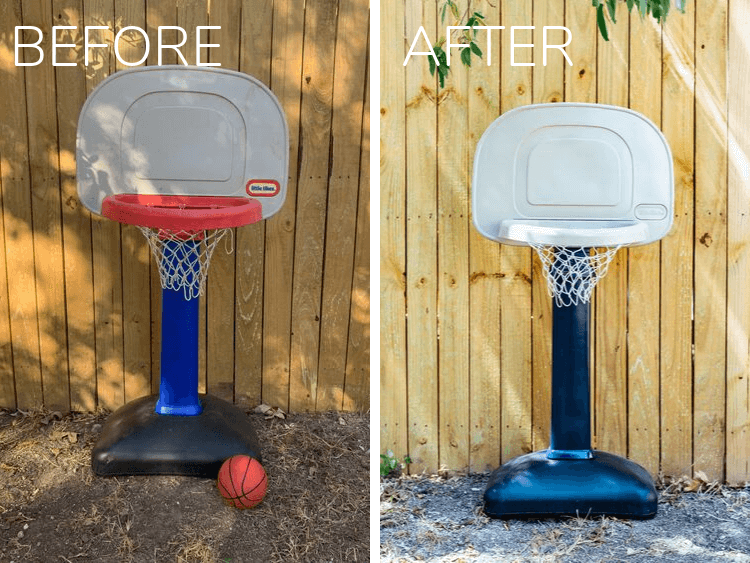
x,y
572,273
182,231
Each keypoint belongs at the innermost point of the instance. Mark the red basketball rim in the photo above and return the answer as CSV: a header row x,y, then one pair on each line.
x,y
180,212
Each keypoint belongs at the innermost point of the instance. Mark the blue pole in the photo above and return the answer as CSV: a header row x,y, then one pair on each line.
x,y
178,390
570,426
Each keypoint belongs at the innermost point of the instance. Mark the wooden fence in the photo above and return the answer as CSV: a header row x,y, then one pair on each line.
x,y
286,317
465,349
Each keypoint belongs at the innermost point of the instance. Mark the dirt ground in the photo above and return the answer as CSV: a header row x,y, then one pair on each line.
x,y
441,520
53,508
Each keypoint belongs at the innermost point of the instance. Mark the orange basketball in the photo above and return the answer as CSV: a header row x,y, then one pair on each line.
x,y
242,481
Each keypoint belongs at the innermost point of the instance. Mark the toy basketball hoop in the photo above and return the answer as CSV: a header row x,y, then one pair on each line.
x,y
553,177
185,154
182,231
576,182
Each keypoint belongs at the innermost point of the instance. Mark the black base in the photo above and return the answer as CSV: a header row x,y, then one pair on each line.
x,y
137,441
533,486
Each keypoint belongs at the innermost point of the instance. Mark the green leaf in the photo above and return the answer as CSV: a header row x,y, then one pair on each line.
x,y
475,48
454,10
441,57
432,65
612,7
442,13
441,79
642,8
466,57
601,22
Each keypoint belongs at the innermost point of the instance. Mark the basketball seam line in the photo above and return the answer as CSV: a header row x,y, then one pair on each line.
x,y
231,477
265,478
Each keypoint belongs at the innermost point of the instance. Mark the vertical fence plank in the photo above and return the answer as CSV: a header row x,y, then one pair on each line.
x,y
677,248
710,237
7,377
76,220
643,268
46,215
357,382
341,218
394,433
220,293
136,256
453,265
255,60
164,14
610,324
13,183
580,86
286,78
421,243
548,87
515,263
315,138
484,274
738,255
19,237
105,235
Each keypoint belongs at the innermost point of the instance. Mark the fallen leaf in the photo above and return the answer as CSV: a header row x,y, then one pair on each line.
x,y
262,408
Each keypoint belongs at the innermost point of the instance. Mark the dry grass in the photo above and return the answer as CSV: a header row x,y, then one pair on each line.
x,y
317,507
191,546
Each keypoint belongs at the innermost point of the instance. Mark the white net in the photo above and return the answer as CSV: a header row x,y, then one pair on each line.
x,y
572,273
183,257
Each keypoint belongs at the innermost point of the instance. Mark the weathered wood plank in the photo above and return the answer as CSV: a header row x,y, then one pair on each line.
x,y
610,314
421,274
286,80
395,435
41,107
255,60
644,269
710,238
220,291
17,218
315,138
484,279
341,217
738,250
453,180
677,248
357,383
515,266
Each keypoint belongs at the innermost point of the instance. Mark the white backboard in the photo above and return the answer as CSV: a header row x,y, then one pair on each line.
x,y
181,130
573,175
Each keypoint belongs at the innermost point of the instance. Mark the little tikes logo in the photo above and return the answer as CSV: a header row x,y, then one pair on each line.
x,y
262,188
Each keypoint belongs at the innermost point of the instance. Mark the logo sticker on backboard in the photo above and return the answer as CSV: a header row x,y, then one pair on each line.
x,y
262,188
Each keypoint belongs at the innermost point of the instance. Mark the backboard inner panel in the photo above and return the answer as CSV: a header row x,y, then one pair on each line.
x,y
200,139
578,171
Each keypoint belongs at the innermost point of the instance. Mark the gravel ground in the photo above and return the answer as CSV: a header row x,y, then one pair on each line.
x,y
435,519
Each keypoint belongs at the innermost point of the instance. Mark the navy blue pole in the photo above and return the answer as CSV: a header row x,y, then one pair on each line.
x,y
178,390
570,427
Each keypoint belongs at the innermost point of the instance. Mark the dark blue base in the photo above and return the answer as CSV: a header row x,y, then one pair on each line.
x,y
136,440
534,486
